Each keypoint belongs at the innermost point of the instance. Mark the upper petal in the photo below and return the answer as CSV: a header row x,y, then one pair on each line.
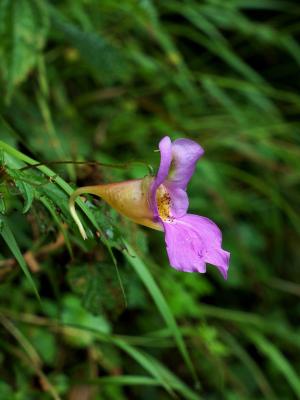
x,y
177,165
185,154
193,241
165,147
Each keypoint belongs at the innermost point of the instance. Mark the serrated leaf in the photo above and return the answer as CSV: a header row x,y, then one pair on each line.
x,y
25,189
27,193
23,28
57,196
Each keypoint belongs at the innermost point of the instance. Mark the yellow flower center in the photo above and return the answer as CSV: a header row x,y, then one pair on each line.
x,y
163,201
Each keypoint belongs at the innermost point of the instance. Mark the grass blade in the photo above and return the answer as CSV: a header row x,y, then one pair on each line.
x,y
158,371
10,240
144,274
252,366
130,380
277,359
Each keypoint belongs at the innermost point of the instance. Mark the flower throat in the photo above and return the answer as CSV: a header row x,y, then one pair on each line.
x,y
163,200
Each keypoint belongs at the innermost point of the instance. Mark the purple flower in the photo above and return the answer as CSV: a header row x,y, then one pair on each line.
x,y
161,203
192,240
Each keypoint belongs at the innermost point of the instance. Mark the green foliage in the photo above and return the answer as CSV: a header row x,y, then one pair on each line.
x,y
23,30
106,60
99,289
10,240
108,317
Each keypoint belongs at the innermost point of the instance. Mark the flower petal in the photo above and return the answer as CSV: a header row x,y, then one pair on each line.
x,y
185,154
179,201
193,241
165,147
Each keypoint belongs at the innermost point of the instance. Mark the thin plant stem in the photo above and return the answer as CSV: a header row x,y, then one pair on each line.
x,y
100,164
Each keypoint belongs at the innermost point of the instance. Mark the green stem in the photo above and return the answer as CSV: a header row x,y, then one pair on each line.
x,y
100,164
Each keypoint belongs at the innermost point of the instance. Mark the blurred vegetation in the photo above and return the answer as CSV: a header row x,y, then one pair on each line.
x,y
108,318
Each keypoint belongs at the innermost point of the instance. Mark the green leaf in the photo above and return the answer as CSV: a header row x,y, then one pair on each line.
x,y
50,207
99,287
161,303
146,362
23,29
10,240
54,191
2,204
26,189
27,193
166,378
89,328
277,359
56,195
105,58
5,390
131,380
250,363
73,313
6,132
